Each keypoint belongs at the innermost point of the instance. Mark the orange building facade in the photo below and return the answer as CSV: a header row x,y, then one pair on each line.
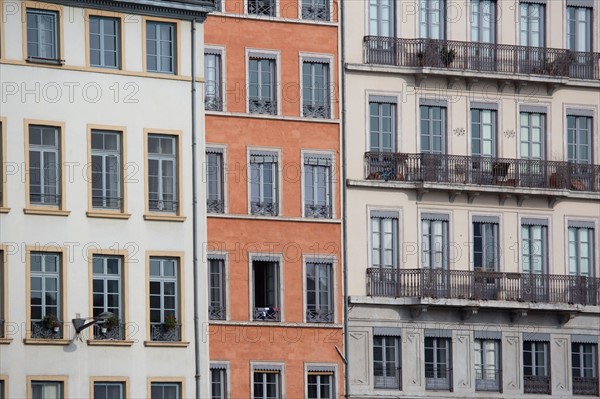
x,y
273,181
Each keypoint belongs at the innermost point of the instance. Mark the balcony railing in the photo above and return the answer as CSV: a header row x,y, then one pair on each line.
x,y
267,314
487,171
317,211
264,208
215,206
319,316
107,202
217,312
316,12
161,333
438,378
537,384
388,377
482,285
481,57
114,333
41,330
488,380
585,386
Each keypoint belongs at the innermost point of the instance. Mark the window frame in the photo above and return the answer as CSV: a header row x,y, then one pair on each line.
x,y
395,238
110,380
331,184
542,23
497,361
436,363
484,249
546,240
120,39
3,160
4,297
261,54
428,10
372,100
277,182
481,16
332,373
222,151
176,46
224,258
219,52
581,367
534,350
279,259
3,378
590,27
385,345
577,143
446,221
328,4
592,238
325,59
58,32
106,278
332,264
278,369
62,380
480,139
378,19
430,136
543,135
223,368
166,380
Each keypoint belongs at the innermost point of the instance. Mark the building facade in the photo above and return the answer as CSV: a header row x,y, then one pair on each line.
x,y
96,199
473,198
274,216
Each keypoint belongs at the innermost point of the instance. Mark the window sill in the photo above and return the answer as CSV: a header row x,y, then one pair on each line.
x,y
108,215
275,117
45,61
108,342
164,218
4,210
35,341
46,211
178,344
5,341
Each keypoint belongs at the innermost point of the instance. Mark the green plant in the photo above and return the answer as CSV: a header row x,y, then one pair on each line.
x,y
170,322
111,322
50,321
447,55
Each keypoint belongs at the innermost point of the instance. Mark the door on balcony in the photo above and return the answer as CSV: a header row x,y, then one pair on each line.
x,y
584,354
532,136
579,152
386,362
536,367
532,31
483,145
434,255
433,143
384,252
382,29
438,371
382,138
266,290
487,364
582,289
534,260
579,40
482,50
485,257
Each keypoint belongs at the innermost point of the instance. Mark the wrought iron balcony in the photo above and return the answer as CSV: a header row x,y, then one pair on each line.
x,y
107,202
316,111
487,171
387,377
261,7
481,57
537,384
264,208
156,205
316,12
319,316
160,332
262,106
212,103
41,330
587,386
488,380
438,378
317,211
267,314
104,332
215,206
482,285
217,312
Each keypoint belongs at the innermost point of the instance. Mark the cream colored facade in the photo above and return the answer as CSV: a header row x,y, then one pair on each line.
x,y
403,188
66,92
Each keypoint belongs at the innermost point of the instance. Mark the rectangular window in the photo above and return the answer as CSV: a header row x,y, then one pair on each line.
x,y
262,7
162,173
536,367
265,280
218,382
315,89
104,42
164,299
320,385
434,241
215,197
386,362
382,127
317,186
581,251
584,358
532,135
44,165
160,47
109,390
267,384
485,246
106,170
532,29
483,21
42,34
316,10
534,247
483,133
433,19
438,370
319,292
382,18
433,129
579,29
46,295
264,193
165,390
487,365
384,240
579,139
108,296
46,390
217,308
213,99
262,85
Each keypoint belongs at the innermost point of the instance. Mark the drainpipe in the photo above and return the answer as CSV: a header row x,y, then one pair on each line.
x,y
195,218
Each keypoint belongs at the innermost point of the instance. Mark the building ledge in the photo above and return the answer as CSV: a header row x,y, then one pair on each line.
x,y
162,344
108,215
278,324
163,218
109,342
46,211
271,218
5,341
272,117
34,341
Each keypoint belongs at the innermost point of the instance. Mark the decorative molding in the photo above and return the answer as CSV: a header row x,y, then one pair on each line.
x,y
459,131
510,133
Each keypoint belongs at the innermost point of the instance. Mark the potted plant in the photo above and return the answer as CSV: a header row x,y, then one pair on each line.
x,y
51,322
170,323
109,324
447,55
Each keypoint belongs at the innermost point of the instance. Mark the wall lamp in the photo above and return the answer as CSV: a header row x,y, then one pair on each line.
x,y
80,324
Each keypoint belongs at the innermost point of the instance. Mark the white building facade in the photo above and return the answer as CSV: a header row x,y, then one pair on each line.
x,y
96,208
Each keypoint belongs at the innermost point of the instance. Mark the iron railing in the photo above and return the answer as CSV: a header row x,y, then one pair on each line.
x,y
103,332
267,314
213,103
488,171
262,7
262,106
482,285
316,111
163,205
488,379
481,57
537,384
44,199
387,377
215,206
317,211
160,332
107,202
41,330
316,12
438,378
319,315
217,312
587,386
264,208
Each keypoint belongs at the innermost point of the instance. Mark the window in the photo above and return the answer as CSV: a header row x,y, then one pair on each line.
x,y
315,89
262,7
263,178
386,362
108,296
262,85
581,248
534,236
579,28
218,381
162,173
317,186
104,42
317,10
584,358
164,299
2,300
217,308
382,18
438,371
44,166
434,241
532,29
532,135
109,390
433,129
384,239
382,126
319,292
267,383
46,295
42,36
160,47
483,21
213,99
485,244
320,383
2,390
483,132
433,19
165,390
536,367
106,170
579,139
215,196
265,280
487,364
46,390
2,164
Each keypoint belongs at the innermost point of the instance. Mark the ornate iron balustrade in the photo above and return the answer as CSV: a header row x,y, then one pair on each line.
x,y
316,12
488,380
258,106
487,171
537,384
213,104
107,202
163,205
161,333
40,330
215,206
44,199
217,312
587,386
387,377
318,211
319,316
115,333
264,208
316,111
481,57
266,314
261,7
438,378
483,285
